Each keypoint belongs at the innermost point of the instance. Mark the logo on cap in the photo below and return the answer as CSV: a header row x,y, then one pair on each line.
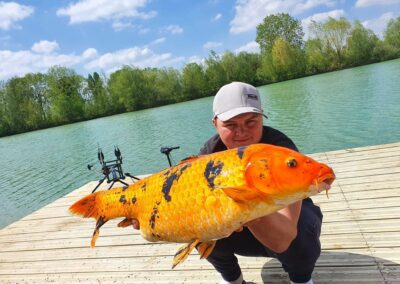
x,y
252,96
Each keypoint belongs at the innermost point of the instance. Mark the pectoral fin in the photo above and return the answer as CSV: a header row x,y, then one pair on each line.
x,y
241,194
100,222
183,253
205,249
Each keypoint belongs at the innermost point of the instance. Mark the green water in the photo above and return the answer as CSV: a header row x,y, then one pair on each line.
x,y
349,108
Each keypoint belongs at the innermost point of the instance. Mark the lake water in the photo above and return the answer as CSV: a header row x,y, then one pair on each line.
x,y
343,109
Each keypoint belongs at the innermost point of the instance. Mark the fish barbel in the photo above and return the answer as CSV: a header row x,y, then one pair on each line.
x,y
206,198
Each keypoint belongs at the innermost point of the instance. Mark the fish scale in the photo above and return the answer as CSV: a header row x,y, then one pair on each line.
x,y
206,198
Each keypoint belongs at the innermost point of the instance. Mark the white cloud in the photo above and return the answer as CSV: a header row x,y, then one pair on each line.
x,y
119,25
250,13
18,63
11,12
378,25
144,30
98,10
320,17
212,44
173,29
196,59
89,53
217,17
249,47
157,41
45,46
137,56
366,3
21,62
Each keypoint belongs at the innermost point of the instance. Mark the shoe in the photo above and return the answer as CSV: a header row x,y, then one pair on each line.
x,y
237,281
308,282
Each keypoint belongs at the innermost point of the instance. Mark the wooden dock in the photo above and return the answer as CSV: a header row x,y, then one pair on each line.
x,y
360,236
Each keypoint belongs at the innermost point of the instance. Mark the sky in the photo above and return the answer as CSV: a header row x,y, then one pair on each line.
x,y
104,35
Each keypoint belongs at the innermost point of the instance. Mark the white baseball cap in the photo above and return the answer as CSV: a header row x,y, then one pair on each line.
x,y
234,99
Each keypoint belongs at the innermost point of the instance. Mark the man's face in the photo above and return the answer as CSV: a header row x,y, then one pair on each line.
x,y
241,130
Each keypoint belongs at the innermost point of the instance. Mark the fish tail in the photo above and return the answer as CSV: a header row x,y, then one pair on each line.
x,y
86,207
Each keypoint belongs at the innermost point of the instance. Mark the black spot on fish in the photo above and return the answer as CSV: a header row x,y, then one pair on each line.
x,y
213,169
122,199
134,200
156,236
170,178
262,176
125,187
153,216
143,187
240,151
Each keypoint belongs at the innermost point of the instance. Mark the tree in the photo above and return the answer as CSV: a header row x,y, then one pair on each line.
x,y
215,73
267,73
392,33
333,35
282,26
360,45
18,102
230,66
65,88
194,81
167,87
39,93
248,65
318,59
99,104
4,127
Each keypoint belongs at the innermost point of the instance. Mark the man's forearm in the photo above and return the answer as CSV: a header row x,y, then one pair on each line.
x,y
277,230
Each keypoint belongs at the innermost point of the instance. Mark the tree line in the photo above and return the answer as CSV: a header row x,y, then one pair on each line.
x,y
62,96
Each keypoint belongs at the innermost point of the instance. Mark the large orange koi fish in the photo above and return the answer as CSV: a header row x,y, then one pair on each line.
x,y
207,198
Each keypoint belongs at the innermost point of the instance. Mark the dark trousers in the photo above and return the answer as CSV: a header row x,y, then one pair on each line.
x,y
298,260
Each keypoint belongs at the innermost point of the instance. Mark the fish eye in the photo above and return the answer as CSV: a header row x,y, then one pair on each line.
x,y
291,163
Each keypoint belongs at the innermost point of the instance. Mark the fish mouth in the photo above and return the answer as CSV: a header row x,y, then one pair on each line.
x,y
324,180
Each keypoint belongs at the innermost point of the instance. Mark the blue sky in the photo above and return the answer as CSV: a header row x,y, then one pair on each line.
x,y
103,35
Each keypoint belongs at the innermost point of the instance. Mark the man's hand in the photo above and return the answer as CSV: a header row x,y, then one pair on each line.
x,y
135,224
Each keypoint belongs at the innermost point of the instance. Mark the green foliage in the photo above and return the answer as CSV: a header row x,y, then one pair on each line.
x,y
98,102
288,61
215,73
282,26
384,51
317,58
194,81
64,90
333,35
392,33
166,87
360,45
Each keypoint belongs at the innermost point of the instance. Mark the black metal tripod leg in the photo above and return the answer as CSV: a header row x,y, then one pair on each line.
x,y
111,185
131,176
97,186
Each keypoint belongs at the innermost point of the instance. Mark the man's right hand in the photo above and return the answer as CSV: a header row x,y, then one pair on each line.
x,y
135,224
